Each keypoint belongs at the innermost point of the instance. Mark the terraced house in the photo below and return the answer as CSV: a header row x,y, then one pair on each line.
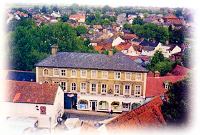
x,y
94,81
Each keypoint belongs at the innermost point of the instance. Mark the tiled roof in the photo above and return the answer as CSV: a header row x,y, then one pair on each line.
x,y
21,76
144,58
155,85
118,61
30,92
180,70
146,115
129,36
123,46
170,16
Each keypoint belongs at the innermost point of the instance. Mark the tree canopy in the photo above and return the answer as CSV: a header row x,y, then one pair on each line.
x,y
175,110
30,44
160,63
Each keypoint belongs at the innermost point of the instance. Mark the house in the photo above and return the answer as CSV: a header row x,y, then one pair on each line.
x,y
174,49
157,85
128,37
79,17
146,115
180,71
171,19
164,49
43,102
127,49
117,41
147,51
94,81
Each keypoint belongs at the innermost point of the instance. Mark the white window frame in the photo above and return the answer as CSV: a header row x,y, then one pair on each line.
x,y
135,92
93,77
82,74
136,76
65,85
125,90
117,74
44,72
102,74
72,73
54,72
81,90
166,86
102,88
91,88
61,73
115,89
126,75
73,86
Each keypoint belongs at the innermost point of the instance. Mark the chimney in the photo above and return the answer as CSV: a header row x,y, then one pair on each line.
x,y
54,49
110,52
156,74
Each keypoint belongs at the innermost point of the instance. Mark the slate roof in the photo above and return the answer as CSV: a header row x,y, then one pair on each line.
x,y
147,43
117,62
21,76
30,92
149,114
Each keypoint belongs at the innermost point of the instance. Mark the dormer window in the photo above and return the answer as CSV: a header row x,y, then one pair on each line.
x,y
166,85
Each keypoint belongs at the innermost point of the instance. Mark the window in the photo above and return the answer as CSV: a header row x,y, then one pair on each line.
x,y
56,82
137,90
116,88
128,76
73,73
46,82
138,76
127,89
83,87
117,75
63,72
166,86
84,73
73,86
45,72
63,85
56,72
103,88
105,74
93,74
93,87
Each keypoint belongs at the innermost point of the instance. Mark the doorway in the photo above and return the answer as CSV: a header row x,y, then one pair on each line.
x,y
93,105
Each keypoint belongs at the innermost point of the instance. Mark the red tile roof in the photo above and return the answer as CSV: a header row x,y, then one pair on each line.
x,y
30,92
77,16
123,46
146,115
180,70
170,16
129,36
155,85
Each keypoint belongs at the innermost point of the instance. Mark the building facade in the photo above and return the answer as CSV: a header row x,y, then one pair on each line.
x,y
100,82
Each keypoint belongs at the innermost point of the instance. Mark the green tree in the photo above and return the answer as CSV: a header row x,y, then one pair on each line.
x,y
176,36
64,18
81,30
176,109
138,20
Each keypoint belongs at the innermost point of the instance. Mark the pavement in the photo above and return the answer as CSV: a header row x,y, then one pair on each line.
x,y
91,117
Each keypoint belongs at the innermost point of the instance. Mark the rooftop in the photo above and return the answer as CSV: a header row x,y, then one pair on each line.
x,y
117,62
30,92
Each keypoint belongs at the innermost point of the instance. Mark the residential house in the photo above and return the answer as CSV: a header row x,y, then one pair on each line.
x,y
127,49
158,85
180,71
164,49
174,49
117,41
79,17
146,115
95,81
41,101
171,19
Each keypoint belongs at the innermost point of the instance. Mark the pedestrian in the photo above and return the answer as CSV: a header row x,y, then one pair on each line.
x,y
111,111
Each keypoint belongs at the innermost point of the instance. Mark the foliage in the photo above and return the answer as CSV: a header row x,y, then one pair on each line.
x,y
138,20
81,30
175,110
135,105
151,32
30,44
176,36
161,64
186,58
64,18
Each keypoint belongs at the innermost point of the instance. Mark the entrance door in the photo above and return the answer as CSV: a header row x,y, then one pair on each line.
x,y
93,105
